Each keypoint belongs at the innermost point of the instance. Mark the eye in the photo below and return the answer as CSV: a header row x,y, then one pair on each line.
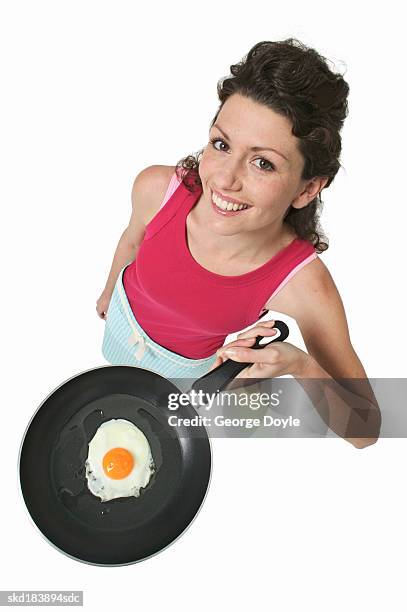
x,y
270,167
213,140
262,159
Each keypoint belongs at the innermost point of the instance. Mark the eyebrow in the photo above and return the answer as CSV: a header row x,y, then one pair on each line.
x,y
251,148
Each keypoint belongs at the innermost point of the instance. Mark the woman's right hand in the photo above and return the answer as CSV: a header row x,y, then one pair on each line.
x,y
103,304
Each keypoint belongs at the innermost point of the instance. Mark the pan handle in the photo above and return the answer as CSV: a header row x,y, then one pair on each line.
x,y
217,379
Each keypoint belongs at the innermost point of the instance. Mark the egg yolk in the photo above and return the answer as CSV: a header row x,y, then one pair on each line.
x,y
118,463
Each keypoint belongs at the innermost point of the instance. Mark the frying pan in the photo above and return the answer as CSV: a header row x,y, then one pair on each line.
x,y
55,446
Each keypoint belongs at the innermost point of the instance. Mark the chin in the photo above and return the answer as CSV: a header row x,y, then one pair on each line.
x,y
224,231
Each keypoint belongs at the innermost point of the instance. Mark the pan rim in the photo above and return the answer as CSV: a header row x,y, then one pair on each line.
x,y
52,543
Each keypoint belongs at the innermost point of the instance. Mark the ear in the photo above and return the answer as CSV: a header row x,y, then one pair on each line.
x,y
310,191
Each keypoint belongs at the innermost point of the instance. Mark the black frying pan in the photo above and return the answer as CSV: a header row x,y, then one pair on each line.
x,y
55,446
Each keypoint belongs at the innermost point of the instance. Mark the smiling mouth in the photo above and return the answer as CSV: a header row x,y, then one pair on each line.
x,y
227,208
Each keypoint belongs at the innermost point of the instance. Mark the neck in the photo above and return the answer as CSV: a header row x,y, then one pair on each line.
x,y
249,246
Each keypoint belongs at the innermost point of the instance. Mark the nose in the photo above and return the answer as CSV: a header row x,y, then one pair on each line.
x,y
229,177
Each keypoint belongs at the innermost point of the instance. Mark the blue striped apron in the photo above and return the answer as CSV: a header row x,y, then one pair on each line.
x,y
126,343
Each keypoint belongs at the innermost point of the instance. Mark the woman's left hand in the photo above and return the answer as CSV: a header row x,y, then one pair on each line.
x,y
276,359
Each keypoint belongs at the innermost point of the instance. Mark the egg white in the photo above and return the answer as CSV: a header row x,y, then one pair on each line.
x,y
124,434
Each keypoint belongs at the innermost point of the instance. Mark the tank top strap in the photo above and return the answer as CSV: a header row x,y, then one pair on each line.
x,y
299,254
173,184
174,198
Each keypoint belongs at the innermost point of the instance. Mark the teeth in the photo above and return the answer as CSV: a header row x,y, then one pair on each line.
x,y
227,205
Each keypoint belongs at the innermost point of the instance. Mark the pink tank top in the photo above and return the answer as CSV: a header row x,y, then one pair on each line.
x,y
185,307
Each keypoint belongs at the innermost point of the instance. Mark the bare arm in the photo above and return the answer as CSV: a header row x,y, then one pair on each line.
x,y
331,373
342,394
148,191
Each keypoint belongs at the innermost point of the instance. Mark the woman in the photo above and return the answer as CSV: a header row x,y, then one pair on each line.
x,y
225,236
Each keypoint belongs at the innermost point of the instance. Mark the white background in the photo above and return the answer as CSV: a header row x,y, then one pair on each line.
x,y
92,92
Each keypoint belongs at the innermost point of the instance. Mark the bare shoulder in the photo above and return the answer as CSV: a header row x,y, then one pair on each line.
x,y
312,299
149,189
313,280
311,285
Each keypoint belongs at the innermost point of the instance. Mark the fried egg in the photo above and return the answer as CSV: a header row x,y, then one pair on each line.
x,y
119,461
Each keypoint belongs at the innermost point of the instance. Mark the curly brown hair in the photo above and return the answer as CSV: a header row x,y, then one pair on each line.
x,y
295,81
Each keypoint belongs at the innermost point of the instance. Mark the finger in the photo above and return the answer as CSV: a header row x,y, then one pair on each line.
x,y
248,340
241,342
239,353
217,363
259,330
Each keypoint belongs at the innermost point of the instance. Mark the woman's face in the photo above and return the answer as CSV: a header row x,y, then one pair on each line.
x,y
253,158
